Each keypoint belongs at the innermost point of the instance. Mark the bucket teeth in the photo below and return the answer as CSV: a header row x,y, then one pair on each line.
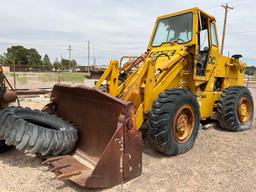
x,y
56,168
50,160
69,174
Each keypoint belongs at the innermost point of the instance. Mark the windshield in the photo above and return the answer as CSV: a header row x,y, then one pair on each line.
x,y
174,29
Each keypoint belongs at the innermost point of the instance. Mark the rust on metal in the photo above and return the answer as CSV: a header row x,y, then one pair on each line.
x,y
183,124
59,167
51,159
67,175
32,92
9,96
109,151
244,110
135,63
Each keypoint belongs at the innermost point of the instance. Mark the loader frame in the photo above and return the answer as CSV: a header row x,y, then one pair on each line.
x,y
174,66
110,114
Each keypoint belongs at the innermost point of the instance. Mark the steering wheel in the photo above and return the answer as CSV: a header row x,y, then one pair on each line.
x,y
179,39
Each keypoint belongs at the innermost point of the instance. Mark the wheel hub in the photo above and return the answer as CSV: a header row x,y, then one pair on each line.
x,y
184,123
244,110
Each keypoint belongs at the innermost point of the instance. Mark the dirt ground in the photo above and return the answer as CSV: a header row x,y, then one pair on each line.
x,y
219,161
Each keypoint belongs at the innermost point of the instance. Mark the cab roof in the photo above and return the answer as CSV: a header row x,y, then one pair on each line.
x,y
195,9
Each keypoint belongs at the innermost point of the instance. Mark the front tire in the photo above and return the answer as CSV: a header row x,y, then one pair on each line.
x,y
235,109
174,122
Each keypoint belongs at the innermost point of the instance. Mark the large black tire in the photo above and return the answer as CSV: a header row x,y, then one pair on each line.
x,y
163,121
3,147
229,105
37,132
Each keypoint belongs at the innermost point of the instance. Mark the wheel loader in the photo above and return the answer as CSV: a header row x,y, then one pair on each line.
x,y
180,80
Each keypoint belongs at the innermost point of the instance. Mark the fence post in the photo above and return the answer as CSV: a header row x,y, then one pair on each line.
x,y
14,75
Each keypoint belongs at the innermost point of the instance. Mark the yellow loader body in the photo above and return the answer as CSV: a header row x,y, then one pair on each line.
x,y
109,151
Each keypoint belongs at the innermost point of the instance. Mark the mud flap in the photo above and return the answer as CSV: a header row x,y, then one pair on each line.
x,y
110,147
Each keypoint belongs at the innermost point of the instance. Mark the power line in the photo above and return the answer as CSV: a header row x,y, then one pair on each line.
x,y
234,1
241,32
217,6
69,55
33,44
226,7
88,56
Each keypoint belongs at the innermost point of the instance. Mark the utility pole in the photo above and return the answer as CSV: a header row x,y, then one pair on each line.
x,y
69,56
226,7
61,58
88,56
94,61
60,71
93,56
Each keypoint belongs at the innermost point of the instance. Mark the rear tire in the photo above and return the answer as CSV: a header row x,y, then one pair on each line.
x,y
235,109
174,122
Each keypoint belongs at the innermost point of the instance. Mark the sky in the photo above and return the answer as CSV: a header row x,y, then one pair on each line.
x,y
115,28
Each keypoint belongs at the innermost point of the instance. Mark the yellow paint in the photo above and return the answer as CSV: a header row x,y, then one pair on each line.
x,y
173,65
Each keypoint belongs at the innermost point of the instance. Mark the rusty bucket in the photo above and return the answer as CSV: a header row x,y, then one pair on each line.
x,y
109,151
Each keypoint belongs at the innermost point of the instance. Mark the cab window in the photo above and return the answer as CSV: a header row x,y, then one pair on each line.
x,y
214,35
174,29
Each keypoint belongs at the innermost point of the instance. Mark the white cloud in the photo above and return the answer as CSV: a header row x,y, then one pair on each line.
x,y
115,27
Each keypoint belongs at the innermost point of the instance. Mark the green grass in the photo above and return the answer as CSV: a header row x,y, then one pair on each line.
x,y
24,77
65,76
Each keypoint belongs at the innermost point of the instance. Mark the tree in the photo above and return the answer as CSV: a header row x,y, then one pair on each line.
x,y
34,58
17,54
56,64
46,63
2,60
65,63
22,56
250,70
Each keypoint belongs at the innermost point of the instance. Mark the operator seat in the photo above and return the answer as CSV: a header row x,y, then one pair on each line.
x,y
202,62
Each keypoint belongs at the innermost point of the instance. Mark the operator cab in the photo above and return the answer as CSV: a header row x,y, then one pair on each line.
x,y
204,48
192,28
207,38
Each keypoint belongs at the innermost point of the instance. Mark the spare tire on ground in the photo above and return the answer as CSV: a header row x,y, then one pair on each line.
x,y
37,132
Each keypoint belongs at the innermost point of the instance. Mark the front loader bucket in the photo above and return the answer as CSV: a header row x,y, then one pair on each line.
x,y
109,151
